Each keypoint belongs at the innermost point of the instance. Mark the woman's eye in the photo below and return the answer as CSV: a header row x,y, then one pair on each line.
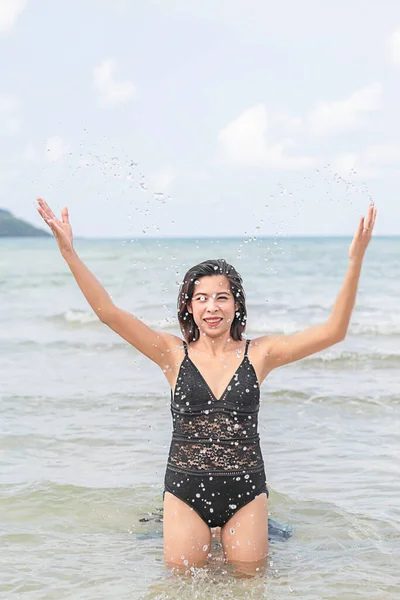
x,y
203,298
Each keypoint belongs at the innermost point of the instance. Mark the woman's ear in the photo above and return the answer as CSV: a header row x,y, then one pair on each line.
x,y
189,308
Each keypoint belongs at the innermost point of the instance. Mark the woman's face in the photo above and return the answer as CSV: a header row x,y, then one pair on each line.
x,y
212,305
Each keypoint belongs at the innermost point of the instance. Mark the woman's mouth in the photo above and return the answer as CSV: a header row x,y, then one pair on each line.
x,y
213,322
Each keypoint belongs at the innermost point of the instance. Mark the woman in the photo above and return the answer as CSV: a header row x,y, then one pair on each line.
x,y
215,475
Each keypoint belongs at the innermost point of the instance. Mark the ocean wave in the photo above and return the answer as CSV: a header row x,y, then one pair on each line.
x,y
86,401
345,359
351,360
68,505
327,359
85,318
379,329
279,320
33,282
43,505
355,329
288,396
117,345
75,317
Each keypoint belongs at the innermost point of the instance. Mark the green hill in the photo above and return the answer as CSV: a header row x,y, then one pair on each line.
x,y
10,226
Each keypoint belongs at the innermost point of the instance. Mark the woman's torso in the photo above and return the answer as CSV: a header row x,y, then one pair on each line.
x,y
215,429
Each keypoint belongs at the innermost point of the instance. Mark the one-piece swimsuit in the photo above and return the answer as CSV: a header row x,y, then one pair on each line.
x,y
215,463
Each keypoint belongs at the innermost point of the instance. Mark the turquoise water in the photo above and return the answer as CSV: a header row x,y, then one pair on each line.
x,y
85,423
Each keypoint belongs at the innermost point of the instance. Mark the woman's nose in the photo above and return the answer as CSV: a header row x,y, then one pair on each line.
x,y
212,304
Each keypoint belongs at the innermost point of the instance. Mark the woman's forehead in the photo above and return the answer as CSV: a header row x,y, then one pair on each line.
x,y
212,284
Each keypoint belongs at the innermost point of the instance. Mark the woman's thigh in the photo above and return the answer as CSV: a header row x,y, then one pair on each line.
x,y
244,537
187,538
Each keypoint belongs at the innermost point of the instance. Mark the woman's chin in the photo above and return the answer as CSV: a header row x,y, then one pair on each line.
x,y
214,332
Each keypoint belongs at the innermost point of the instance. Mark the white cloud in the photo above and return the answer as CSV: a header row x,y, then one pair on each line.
x,y
368,163
112,92
10,121
383,154
56,149
9,11
353,166
245,142
341,115
393,46
162,179
288,124
258,138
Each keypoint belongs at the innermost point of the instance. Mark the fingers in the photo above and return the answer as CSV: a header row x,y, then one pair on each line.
x,y
64,215
48,216
370,220
50,222
369,216
373,219
43,215
360,227
46,208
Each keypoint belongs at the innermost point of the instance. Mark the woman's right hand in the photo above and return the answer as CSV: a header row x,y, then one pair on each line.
x,y
61,229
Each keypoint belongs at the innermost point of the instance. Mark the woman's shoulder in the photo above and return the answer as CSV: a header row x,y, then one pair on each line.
x,y
173,342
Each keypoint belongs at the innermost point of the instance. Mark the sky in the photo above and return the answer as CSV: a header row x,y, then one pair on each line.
x,y
212,118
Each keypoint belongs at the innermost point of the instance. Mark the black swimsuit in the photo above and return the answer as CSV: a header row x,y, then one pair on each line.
x,y
215,463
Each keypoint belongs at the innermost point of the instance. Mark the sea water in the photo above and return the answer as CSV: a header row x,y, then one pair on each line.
x,y
85,423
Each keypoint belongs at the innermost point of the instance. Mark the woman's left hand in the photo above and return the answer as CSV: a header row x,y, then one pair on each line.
x,y
363,235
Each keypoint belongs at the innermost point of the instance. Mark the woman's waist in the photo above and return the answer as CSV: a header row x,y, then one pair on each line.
x,y
215,455
215,424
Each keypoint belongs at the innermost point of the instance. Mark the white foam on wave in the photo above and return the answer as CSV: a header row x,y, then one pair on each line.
x,y
80,316
75,316
86,317
351,359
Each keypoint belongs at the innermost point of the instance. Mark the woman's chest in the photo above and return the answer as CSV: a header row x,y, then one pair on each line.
x,y
193,388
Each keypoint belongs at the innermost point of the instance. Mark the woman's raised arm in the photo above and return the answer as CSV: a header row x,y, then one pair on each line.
x,y
152,344
283,349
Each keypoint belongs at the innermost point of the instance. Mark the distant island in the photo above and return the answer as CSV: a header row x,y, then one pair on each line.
x,y
10,226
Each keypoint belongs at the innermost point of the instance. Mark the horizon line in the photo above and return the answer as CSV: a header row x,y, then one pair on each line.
x,y
234,237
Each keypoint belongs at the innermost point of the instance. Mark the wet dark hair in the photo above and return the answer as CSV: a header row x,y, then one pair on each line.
x,y
211,267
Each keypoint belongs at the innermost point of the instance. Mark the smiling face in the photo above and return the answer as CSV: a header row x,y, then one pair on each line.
x,y
213,288
212,305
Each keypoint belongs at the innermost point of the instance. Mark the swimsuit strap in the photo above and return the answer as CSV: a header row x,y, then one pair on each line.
x,y
186,348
